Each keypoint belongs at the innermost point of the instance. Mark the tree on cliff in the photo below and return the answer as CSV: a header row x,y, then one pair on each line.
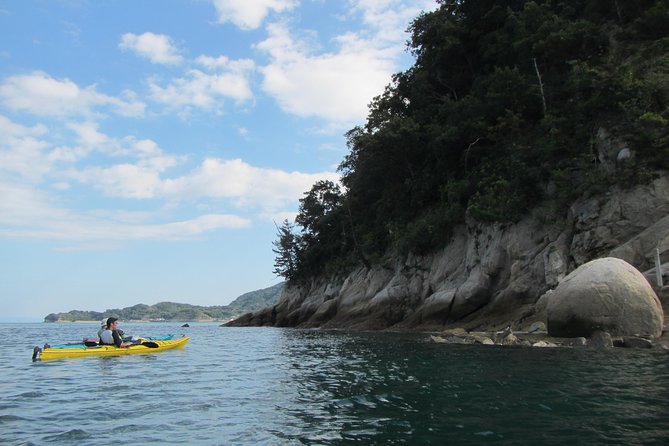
x,y
285,248
498,115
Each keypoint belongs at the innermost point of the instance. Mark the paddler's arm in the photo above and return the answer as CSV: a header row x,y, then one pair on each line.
x,y
118,341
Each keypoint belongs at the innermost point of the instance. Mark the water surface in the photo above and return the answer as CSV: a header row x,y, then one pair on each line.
x,y
283,386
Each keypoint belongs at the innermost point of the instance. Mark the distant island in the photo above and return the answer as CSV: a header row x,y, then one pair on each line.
x,y
171,311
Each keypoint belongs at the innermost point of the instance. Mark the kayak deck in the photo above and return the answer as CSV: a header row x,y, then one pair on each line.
x,y
92,342
153,346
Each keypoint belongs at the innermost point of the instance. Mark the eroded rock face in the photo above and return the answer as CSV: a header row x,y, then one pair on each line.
x,y
607,295
488,275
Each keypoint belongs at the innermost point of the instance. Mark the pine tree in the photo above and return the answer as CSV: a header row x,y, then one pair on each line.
x,y
286,250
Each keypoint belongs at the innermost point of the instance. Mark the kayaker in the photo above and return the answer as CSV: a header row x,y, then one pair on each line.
x,y
103,327
110,335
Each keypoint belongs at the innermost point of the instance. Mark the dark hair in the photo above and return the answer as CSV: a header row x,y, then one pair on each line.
x,y
111,320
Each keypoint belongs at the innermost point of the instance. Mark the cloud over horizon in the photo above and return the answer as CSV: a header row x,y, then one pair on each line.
x,y
27,210
69,144
40,94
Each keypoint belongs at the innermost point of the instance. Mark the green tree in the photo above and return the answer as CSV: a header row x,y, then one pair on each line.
x,y
503,103
285,248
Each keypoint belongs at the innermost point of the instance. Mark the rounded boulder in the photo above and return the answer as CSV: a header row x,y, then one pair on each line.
x,y
608,295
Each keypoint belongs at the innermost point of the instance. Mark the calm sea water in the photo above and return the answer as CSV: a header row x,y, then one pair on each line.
x,y
252,386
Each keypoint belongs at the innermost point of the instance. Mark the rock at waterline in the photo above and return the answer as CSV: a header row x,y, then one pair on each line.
x,y
607,295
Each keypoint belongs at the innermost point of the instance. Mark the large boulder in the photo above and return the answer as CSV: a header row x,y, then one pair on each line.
x,y
607,295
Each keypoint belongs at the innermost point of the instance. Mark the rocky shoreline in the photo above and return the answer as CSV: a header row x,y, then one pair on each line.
x,y
537,336
491,276
604,303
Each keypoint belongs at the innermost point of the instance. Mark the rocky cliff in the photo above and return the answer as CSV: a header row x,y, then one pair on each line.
x,y
488,276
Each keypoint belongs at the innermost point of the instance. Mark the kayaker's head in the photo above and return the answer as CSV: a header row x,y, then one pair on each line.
x,y
110,321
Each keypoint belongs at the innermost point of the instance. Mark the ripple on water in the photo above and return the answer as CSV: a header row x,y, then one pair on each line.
x,y
71,435
10,418
274,386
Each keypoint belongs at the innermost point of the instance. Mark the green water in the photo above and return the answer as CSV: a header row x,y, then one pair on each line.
x,y
281,386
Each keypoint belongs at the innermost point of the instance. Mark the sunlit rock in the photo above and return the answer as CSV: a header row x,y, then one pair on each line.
x,y
604,295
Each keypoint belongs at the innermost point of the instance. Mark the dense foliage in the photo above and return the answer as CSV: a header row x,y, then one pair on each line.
x,y
498,115
170,311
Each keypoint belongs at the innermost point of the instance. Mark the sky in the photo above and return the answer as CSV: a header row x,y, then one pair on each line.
x,y
148,149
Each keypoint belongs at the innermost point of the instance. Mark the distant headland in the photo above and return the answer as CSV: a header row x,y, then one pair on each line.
x,y
171,311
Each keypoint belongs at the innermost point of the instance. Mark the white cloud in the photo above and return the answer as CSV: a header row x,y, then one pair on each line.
x,y
143,173
30,163
22,151
158,48
245,186
249,187
89,139
249,14
335,86
23,206
389,19
88,134
40,94
28,211
31,214
224,63
137,180
203,90
122,180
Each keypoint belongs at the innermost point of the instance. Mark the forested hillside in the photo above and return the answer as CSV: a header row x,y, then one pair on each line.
x,y
501,114
171,311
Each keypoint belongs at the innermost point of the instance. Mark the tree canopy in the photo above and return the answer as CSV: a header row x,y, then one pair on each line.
x,y
499,114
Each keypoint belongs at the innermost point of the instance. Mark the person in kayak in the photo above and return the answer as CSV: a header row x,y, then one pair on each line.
x,y
111,336
103,327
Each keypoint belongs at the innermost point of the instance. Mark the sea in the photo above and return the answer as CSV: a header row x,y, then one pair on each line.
x,y
276,386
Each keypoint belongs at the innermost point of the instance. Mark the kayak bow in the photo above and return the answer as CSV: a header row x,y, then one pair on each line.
x,y
154,346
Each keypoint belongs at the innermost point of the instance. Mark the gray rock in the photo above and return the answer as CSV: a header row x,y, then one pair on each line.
x,y
575,342
604,295
510,339
451,340
600,340
636,342
488,274
437,339
544,344
482,339
459,331
537,327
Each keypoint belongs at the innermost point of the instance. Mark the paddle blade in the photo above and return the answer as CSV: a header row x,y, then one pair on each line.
x,y
150,344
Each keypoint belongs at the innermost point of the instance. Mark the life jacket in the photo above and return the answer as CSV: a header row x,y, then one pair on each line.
x,y
106,337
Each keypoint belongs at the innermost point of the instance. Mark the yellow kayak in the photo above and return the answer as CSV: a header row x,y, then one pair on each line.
x,y
154,346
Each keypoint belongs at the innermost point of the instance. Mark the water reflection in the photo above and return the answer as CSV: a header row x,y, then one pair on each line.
x,y
398,389
275,386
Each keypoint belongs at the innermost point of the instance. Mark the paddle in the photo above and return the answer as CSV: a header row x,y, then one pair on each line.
x,y
148,344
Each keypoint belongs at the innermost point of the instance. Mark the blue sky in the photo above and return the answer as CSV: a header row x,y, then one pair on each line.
x,y
147,147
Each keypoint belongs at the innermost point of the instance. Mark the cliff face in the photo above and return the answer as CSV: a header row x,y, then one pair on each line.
x,y
489,275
